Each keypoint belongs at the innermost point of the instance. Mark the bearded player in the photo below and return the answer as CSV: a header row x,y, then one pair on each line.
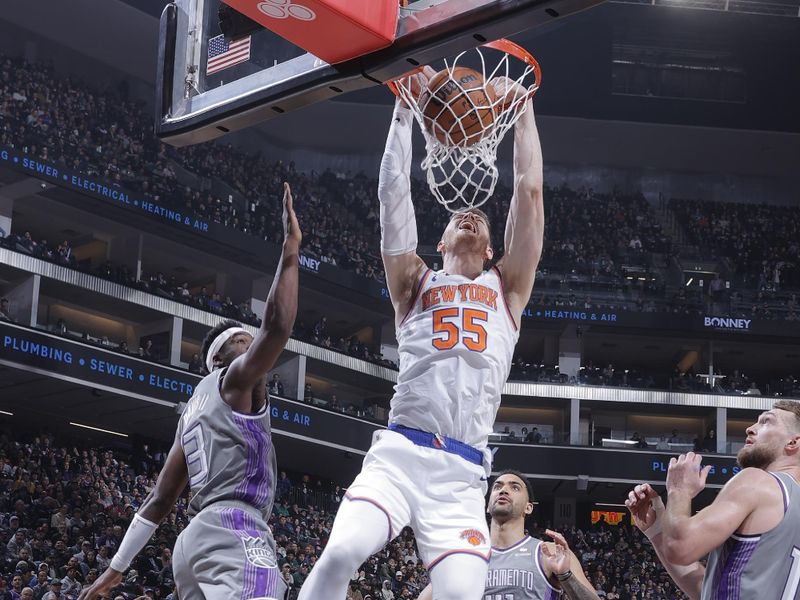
x,y
456,330
751,532
223,450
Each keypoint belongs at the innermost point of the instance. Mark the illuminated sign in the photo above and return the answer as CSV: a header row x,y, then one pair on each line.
x,y
727,324
91,365
100,189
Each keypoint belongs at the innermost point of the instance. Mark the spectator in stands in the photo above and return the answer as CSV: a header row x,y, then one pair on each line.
x,y
709,442
148,351
276,385
753,390
149,562
308,394
4,314
608,374
195,364
640,441
286,574
673,439
71,587
534,437
64,252
716,289
42,585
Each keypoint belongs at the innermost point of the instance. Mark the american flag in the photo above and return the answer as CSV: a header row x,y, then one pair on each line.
x,y
222,54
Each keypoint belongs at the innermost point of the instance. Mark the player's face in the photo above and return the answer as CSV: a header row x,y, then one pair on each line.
x,y
509,499
467,232
235,347
767,438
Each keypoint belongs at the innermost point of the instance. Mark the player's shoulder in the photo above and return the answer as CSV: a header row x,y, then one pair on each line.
x,y
750,481
750,475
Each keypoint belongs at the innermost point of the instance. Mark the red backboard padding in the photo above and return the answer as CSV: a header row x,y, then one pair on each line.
x,y
333,30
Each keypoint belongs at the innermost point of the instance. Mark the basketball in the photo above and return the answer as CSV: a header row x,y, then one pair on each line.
x,y
456,106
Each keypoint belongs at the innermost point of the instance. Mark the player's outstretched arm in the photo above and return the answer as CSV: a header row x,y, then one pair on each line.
x,y
648,510
561,564
277,322
427,593
401,264
524,235
170,484
688,538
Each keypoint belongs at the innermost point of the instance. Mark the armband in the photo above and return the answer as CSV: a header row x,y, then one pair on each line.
x,y
138,534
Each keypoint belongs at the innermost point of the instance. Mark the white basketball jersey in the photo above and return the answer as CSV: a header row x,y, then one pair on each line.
x,y
455,345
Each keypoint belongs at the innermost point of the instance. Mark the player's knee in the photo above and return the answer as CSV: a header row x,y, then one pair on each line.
x,y
340,556
459,577
460,589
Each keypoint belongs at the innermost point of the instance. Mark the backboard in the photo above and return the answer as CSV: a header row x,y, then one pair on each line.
x,y
209,85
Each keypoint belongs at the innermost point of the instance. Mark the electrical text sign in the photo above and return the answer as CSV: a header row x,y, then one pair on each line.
x,y
93,366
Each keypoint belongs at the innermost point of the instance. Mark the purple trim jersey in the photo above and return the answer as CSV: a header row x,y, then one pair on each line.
x,y
516,573
229,455
764,566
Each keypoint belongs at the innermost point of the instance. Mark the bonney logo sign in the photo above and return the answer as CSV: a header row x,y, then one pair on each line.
x,y
727,323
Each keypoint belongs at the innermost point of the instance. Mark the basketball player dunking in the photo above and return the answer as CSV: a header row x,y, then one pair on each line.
x,y
456,330
522,567
223,450
751,532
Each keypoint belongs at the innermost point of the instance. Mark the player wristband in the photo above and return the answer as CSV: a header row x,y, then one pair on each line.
x,y
658,524
654,529
563,576
138,534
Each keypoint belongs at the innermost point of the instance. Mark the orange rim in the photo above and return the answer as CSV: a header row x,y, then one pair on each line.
x,y
393,83
503,45
517,51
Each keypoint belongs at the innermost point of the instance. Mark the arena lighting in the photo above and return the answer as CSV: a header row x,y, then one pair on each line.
x,y
688,283
98,429
610,504
615,441
5,412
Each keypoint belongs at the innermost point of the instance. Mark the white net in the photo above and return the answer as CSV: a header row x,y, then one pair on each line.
x,y
464,111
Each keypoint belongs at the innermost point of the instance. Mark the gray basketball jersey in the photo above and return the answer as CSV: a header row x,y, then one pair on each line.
x,y
765,566
229,455
516,573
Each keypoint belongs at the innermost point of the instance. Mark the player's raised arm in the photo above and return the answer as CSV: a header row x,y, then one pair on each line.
x,y
171,482
648,510
687,537
401,264
524,235
562,565
278,319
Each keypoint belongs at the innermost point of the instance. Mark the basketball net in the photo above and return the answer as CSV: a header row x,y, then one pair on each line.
x,y
460,175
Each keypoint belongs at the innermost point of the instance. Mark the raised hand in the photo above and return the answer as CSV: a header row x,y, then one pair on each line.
x,y
556,556
685,475
645,505
104,584
416,83
291,228
508,92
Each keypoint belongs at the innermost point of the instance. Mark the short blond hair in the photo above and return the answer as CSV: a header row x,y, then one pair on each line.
x,y
791,406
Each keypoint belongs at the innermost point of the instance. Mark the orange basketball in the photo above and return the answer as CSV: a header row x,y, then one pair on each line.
x,y
457,108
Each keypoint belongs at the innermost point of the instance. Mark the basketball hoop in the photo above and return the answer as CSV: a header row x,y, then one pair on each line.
x,y
462,174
